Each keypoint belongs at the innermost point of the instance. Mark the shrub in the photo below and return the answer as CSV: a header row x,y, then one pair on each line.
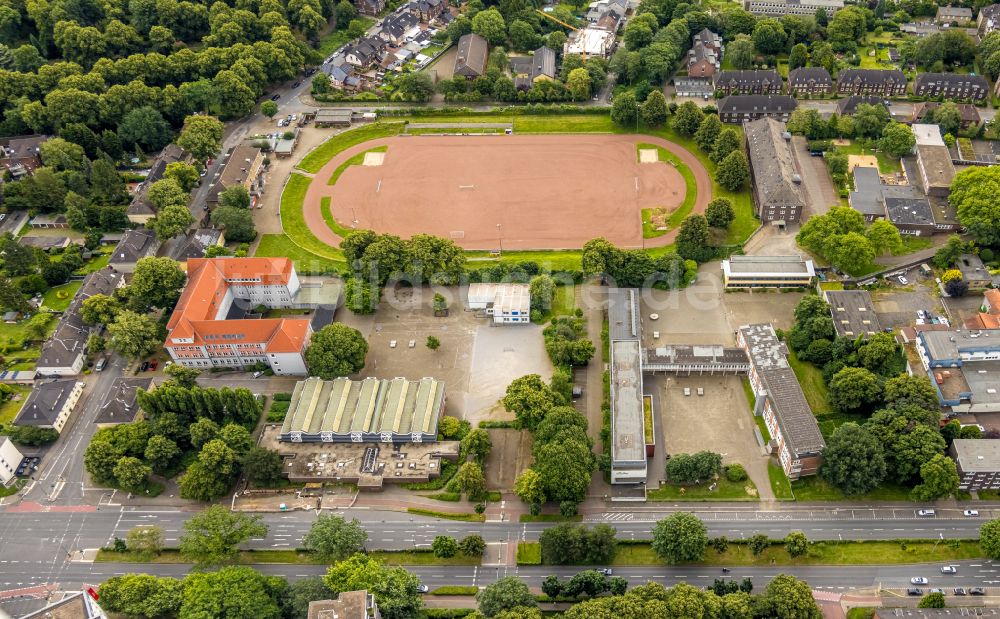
x,y
736,473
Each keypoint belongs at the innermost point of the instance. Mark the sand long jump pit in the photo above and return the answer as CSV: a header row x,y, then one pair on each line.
x,y
528,192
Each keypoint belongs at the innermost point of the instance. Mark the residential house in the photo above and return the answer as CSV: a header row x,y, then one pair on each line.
x,y
121,405
366,52
342,77
951,86
885,82
775,183
951,14
694,87
10,461
777,8
705,55
974,272
968,113
988,20
427,10
470,60
506,303
529,70
978,463
395,28
50,403
848,105
195,243
853,313
602,9
140,210
766,82
242,169
134,246
591,41
371,8
795,434
20,156
213,324
744,108
809,81
989,313
64,352
348,605
767,272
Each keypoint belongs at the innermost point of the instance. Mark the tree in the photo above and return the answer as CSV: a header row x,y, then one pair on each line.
x,y
477,444
262,466
541,289
769,36
625,110
504,594
905,390
989,538
336,350
233,592
796,544
489,24
395,589
884,237
472,546
528,487
932,600
720,213
170,221
236,196
741,52
576,544
692,239
693,468
973,193
578,84
947,117
939,479
417,86
237,222
853,389
654,109
869,120
201,136
799,57
106,184
471,480
851,252
184,174
161,452
948,253
733,171
853,460
530,399
182,375
157,282
956,288
211,536
565,468
332,538
303,591
897,139
269,108
727,142
708,131
146,127
791,598
444,547
133,335
680,537
142,595
145,540
688,118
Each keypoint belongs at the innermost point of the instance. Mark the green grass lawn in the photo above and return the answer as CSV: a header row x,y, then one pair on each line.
x,y
831,420
456,590
290,556
563,303
12,406
322,154
529,553
814,488
861,613
329,43
331,222
12,489
279,245
779,482
813,385
447,515
98,262
887,164
294,223
58,298
550,518
355,160
913,244
725,490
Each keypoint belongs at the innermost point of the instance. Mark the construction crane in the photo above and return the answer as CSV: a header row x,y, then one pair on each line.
x,y
583,52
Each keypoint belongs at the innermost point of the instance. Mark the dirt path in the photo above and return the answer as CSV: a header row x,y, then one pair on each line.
x,y
603,197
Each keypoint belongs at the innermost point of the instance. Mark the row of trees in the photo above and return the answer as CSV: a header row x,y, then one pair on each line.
x,y
631,268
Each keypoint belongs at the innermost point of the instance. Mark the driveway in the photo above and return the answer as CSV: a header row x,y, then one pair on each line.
x,y
816,182
774,241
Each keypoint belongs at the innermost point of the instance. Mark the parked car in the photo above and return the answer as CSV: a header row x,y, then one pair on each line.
x,y
936,590
144,366
927,513
914,591
423,588
607,571
960,591
296,84
903,280
977,591
275,97
99,366
153,364
949,569
971,512
918,580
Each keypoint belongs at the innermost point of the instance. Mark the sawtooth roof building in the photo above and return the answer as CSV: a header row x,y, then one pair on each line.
x,y
370,410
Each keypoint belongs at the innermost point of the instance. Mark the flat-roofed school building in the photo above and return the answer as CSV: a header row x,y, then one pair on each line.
x,y
364,411
767,272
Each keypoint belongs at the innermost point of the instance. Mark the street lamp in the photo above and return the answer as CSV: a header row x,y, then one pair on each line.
x,y
500,235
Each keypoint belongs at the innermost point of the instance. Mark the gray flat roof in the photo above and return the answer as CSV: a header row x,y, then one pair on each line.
x,y
628,443
867,194
960,343
769,264
623,313
853,312
983,378
766,350
682,353
977,455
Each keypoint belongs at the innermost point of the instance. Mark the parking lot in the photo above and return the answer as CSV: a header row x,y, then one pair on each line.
x,y
897,305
